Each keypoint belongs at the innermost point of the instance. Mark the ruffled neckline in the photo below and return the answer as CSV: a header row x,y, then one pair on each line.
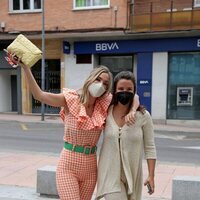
x,y
78,110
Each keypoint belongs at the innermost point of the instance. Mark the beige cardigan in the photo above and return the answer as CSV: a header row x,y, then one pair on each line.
x,y
134,139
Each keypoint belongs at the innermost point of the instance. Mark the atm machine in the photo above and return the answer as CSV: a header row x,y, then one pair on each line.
x,y
184,96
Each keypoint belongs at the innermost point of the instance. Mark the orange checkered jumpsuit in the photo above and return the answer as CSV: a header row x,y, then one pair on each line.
x,y
77,172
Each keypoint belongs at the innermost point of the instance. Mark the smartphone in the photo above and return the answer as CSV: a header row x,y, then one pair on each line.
x,y
149,188
8,59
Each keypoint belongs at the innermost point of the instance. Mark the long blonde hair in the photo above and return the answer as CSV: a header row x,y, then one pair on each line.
x,y
95,73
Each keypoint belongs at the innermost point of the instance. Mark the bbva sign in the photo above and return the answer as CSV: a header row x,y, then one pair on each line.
x,y
106,46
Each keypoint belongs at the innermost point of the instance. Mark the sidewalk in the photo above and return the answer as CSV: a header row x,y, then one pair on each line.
x,y
18,169
18,180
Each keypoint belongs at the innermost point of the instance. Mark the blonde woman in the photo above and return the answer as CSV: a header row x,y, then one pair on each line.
x,y
84,113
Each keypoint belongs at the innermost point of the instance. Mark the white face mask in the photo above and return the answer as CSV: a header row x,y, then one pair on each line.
x,y
96,89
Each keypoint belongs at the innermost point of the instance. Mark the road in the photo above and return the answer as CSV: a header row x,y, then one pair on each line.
x,y
178,147
47,138
36,137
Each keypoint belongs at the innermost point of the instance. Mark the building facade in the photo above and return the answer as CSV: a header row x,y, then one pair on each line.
x,y
157,41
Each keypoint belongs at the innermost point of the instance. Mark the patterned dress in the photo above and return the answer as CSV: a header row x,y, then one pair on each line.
x,y
77,172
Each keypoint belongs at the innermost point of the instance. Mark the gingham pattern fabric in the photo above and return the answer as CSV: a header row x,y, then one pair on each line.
x,y
78,110
76,175
76,172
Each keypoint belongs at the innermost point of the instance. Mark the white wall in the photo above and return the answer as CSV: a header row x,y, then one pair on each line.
x,y
75,74
5,91
159,85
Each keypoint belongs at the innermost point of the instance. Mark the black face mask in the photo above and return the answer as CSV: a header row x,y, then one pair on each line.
x,y
124,97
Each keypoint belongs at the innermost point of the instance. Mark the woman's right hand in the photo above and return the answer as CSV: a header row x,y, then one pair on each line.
x,y
13,60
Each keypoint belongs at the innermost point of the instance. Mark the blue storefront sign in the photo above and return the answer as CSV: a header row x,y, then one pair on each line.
x,y
134,46
144,50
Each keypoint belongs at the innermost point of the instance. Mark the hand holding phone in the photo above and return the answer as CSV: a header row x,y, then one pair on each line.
x,y
149,188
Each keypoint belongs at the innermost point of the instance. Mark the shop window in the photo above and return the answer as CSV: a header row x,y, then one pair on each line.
x,y
84,59
196,3
117,63
90,4
25,5
184,86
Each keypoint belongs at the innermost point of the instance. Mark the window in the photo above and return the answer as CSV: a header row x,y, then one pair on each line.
x,y
117,63
81,4
184,86
25,5
84,59
196,3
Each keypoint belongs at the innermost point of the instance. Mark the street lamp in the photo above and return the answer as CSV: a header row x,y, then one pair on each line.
x,y
43,60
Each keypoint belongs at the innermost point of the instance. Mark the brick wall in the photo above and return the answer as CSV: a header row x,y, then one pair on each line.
x,y
59,15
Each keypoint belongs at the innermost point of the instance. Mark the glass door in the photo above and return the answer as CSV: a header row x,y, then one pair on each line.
x,y
117,63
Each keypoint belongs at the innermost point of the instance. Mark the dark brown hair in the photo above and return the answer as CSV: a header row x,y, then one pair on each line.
x,y
127,75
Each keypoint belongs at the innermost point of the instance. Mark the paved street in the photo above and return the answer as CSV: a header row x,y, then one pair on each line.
x,y
18,166
176,147
36,137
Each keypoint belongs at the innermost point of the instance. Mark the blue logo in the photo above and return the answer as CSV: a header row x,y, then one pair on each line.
x,y
145,82
106,46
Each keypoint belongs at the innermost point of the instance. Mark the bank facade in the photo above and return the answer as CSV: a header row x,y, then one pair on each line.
x,y
162,49
167,71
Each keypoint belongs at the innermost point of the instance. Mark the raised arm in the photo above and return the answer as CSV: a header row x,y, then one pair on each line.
x,y
51,99
57,100
130,117
136,103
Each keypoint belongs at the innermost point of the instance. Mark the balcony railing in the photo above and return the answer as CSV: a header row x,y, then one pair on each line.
x,y
165,16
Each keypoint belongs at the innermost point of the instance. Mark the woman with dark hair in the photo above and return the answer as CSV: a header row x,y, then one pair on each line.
x,y
120,162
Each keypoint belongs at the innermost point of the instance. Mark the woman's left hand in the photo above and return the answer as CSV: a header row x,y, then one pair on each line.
x,y
130,118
